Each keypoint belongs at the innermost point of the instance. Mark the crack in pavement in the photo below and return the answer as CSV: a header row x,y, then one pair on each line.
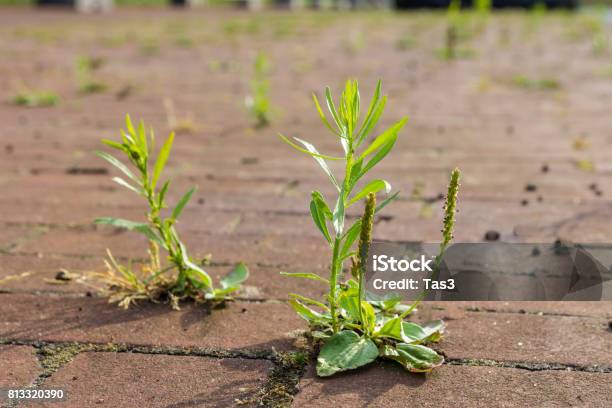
x,y
529,366
277,391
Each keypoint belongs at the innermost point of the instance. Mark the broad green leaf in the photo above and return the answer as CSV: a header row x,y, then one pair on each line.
x,y
305,275
345,351
373,186
182,203
238,275
162,158
386,302
392,328
118,164
349,302
317,211
369,316
433,330
413,332
127,185
413,357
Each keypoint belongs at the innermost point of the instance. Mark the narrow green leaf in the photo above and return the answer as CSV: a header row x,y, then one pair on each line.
x,y
308,300
338,214
182,203
322,115
320,160
127,185
373,186
129,126
144,229
332,109
305,275
386,201
162,158
384,138
162,194
118,164
345,351
298,148
114,145
305,312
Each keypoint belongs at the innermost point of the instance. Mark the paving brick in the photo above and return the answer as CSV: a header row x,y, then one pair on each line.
x,y
385,385
28,273
255,326
532,338
128,380
19,366
601,309
266,249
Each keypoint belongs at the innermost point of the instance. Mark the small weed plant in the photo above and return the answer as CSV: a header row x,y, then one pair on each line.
x,y
178,275
84,68
35,99
258,103
540,84
356,328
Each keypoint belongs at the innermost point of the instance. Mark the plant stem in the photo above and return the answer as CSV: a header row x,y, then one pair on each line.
x,y
333,282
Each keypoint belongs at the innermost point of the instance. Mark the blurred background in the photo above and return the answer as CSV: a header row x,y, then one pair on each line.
x,y
516,97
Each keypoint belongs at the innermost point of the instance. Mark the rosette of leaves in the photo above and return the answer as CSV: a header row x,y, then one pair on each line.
x,y
356,328
179,276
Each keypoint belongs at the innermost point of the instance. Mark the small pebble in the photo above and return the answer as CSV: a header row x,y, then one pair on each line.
x,y
62,276
491,235
593,186
531,187
535,251
540,199
545,168
9,148
524,202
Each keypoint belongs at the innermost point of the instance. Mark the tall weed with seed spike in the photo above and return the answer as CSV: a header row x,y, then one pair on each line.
x,y
188,277
357,328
